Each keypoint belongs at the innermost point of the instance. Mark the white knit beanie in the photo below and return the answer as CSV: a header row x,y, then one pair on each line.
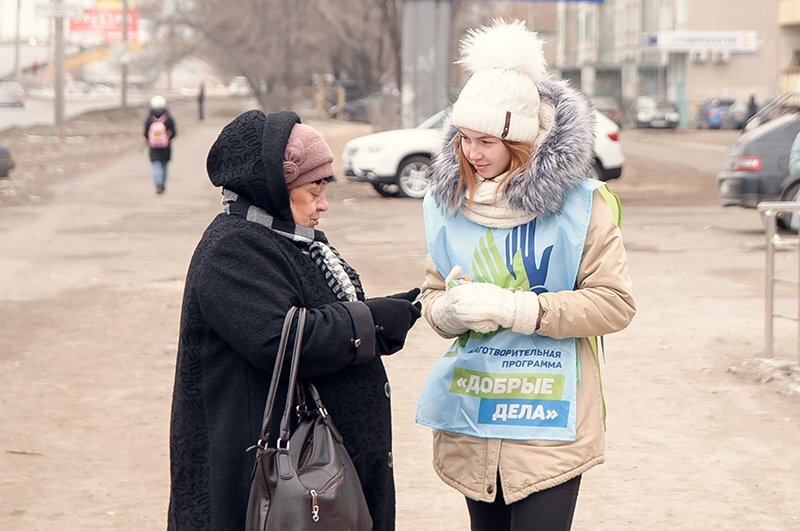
x,y
158,102
501,98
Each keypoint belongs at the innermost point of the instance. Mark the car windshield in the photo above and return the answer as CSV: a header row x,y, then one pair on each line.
x,y
433,122
646,104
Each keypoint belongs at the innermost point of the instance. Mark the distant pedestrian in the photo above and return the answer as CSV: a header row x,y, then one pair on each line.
x,y
752,107
201,101
35,66
159,131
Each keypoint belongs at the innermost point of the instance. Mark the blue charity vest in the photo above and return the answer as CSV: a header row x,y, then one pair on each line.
x,y
503,384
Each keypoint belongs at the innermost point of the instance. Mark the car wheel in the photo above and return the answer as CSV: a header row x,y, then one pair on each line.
x,y
413,176
785,218
386,190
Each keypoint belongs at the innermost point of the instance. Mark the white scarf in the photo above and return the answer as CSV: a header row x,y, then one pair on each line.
x,y
490,210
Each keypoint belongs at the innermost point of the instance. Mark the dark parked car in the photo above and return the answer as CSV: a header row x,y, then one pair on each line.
x,y
12,94
357,110
609,107
6,161
650,111
736,116
711,112
349,89
757,165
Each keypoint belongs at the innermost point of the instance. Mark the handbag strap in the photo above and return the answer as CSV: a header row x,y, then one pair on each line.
x,y
323,413
276,374
283,438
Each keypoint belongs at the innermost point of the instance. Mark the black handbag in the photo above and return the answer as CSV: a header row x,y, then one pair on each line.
x,y
307,481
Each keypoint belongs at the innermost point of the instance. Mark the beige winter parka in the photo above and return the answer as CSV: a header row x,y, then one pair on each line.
x,y
601,303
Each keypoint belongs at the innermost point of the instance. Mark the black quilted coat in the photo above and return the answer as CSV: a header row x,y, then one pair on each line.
x,y
241,281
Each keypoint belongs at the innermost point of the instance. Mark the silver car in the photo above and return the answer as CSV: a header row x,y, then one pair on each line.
x,y
653,112
12,94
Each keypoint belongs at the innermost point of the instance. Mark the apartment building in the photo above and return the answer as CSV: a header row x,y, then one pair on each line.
x,y
683,50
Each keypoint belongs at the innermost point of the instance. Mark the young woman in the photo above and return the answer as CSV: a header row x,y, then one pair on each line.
x,y
159,132
527,271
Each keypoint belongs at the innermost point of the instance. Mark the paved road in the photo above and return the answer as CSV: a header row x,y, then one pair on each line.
x,y
699,150
41,110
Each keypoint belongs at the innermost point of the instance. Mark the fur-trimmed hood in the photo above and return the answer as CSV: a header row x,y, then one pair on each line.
x,y
562,158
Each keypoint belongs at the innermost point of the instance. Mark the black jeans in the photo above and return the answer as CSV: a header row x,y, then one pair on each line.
x,y
546,510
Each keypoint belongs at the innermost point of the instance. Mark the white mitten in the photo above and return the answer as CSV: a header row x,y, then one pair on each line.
x,y
440,314
485,307
526,312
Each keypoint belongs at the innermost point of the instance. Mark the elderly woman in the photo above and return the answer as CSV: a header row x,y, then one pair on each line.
x,y
258,258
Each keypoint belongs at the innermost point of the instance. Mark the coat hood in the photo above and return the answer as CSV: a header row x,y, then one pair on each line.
x,y
247,158
562,158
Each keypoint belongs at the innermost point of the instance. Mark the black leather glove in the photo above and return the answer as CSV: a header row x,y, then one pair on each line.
x,y
393,317
407,295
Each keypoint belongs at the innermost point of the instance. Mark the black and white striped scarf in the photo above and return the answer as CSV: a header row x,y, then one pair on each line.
x,y
341,278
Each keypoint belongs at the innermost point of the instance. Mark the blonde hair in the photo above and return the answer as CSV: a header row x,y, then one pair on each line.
x,y
521,158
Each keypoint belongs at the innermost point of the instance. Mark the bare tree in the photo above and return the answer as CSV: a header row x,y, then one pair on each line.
x,y
280,45
392,21
367,33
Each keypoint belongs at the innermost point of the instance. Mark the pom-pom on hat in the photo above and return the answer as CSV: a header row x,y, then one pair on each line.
x,y
158,102
307,157
501,97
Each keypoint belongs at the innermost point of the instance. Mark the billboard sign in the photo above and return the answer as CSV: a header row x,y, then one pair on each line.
x,y
687,41
106,22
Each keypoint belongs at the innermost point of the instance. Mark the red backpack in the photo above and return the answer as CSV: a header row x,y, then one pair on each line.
x,y
157,134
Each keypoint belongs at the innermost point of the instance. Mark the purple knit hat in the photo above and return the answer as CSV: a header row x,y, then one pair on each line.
x,y
307,157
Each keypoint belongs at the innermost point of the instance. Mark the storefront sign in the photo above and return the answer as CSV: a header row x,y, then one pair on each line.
x,y
687,41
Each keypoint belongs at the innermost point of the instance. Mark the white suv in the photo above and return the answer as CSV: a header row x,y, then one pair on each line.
x,y
397,162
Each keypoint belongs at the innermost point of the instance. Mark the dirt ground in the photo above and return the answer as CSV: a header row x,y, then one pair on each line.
x,y
701,433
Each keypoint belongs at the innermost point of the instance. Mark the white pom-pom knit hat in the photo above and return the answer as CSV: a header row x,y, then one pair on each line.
x,y
501,97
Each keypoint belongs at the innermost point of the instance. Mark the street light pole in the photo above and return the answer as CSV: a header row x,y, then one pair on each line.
x,y
17,63
59,64
124,55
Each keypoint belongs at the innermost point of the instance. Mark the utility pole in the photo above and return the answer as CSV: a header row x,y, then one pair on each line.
x,y
17,63
57,10
680,63
426,59
58,18
124,56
